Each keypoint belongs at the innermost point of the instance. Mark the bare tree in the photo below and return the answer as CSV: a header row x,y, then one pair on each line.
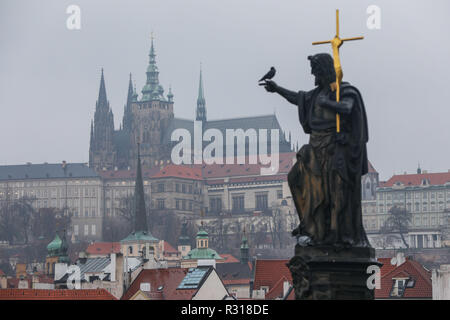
x,y
398,222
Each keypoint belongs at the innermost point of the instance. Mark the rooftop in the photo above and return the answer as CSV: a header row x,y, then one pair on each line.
x,y
46,171
162,282
419,285
194,278
139,236
438,178
103,248
55,294
269,272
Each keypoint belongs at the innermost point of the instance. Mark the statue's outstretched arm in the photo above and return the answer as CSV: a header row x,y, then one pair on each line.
x,y
289,95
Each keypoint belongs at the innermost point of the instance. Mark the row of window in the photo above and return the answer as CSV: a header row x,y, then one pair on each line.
x,y
238,202
410,195
417,207
76,230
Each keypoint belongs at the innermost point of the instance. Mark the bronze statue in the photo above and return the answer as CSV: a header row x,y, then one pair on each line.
x,y
325,181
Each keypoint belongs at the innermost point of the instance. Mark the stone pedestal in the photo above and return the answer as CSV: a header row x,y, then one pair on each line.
x,y
327,272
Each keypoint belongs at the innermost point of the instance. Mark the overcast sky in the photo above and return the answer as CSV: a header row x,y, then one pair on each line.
x,y
49,75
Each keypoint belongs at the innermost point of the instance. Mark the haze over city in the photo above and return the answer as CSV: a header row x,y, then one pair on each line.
x,y
50,75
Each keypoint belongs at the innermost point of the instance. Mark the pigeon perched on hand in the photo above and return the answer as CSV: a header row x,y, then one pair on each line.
x,y
269,75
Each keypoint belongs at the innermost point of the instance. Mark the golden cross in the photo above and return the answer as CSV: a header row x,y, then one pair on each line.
x,y
336,43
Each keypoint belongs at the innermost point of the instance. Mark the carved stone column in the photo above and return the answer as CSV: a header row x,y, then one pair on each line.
x,y
327,272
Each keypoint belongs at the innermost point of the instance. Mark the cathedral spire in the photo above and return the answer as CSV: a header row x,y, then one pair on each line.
x,y
102,100
92,135
152,89
140,216
127,117
201,103
130,91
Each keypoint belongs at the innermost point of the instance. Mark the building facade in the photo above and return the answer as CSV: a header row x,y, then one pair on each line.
x,y
425,195
71,188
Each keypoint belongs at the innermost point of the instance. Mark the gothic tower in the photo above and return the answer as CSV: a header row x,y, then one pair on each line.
x,y
150,117
201,104
127,115
101,150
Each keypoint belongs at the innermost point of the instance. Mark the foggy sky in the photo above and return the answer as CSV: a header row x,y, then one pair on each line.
x,y
49,75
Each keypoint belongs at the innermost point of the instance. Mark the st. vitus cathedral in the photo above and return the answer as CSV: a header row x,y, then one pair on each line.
x,y
149,121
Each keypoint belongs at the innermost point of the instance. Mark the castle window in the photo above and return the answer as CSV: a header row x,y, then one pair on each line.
x,y
279,194
261,201
238,202
160,187
161,203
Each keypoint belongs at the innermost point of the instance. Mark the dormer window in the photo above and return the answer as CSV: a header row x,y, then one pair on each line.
x,y
399,287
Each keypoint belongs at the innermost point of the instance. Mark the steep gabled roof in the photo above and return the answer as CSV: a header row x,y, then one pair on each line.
x,y
422,287
269,272
167,280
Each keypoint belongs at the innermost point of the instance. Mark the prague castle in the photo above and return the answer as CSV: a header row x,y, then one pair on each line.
x,y
150,120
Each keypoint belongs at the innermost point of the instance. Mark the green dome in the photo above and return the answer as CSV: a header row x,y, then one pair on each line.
x,y
55,244
202,253
139,236
58,248
202,234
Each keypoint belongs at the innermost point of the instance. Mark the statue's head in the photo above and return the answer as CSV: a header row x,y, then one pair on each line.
x,y
322,67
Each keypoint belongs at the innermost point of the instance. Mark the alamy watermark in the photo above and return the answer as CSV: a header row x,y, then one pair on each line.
x,y
256,140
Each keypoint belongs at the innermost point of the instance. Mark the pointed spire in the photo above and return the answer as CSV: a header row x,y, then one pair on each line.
x,y
152,89
201,103
130,91
127,116
135,95
170,95
102,100
140,216
92,134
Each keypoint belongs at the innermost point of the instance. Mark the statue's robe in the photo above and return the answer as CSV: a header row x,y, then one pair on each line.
x,y
326,180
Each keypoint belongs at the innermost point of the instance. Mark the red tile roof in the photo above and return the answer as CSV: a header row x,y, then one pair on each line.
x,y
179,171
55,294
422,287
168,248
228,258
416,179
103,248
387,266
215,171
168,279
269,272
236,281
